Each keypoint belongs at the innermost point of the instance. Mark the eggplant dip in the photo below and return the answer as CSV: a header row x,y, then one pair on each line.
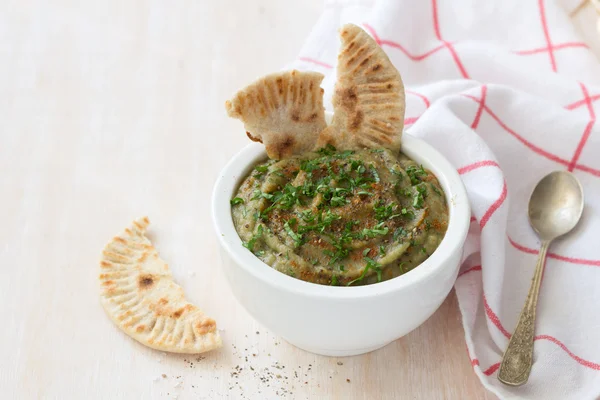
x,y
346,218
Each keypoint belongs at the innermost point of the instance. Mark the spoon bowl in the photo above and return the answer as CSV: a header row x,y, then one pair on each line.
x,y
556,205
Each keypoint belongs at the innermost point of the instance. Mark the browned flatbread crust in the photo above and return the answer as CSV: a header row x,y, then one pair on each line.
x,y
369,96
139,295
284,111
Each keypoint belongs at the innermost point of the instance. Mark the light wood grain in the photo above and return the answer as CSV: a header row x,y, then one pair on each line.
x,y
111,110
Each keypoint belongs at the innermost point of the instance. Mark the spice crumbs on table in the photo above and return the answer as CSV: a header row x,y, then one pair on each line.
x,y
271,379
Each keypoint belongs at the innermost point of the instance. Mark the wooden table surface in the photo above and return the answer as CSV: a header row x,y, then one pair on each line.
x,y
112,110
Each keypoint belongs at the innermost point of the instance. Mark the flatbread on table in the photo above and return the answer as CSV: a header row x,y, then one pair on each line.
x,y
139,295
284,111
368,101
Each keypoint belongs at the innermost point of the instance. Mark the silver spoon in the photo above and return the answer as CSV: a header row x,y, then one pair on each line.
x,y
555,207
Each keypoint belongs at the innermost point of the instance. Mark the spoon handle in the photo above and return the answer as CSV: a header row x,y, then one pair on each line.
x,y
518,357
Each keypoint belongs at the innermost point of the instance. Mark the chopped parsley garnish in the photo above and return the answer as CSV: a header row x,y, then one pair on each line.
x,y
335,196
328,150
344,154
396,172
427,225
371,265
419,198
310,165
415,173
338,201
297,237
378,230
407,213
308,216
418,201
383,212
375,173
260,170
305,205
340,252
284,199
340,191
327,219
401,266
257,194
406,192
322,222
250,244
308,189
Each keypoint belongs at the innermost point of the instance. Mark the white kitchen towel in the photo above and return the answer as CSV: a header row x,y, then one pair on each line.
x,y
507,91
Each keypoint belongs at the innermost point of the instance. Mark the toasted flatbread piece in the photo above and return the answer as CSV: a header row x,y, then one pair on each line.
x,y
368,101
139,295
284,111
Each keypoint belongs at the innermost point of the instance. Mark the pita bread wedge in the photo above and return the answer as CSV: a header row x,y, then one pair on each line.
x,y
284,111
139,295
368,100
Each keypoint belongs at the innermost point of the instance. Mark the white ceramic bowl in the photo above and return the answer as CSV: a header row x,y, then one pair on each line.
x,y
341,321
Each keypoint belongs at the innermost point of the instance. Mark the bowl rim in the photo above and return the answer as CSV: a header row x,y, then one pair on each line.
x,y
417,149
